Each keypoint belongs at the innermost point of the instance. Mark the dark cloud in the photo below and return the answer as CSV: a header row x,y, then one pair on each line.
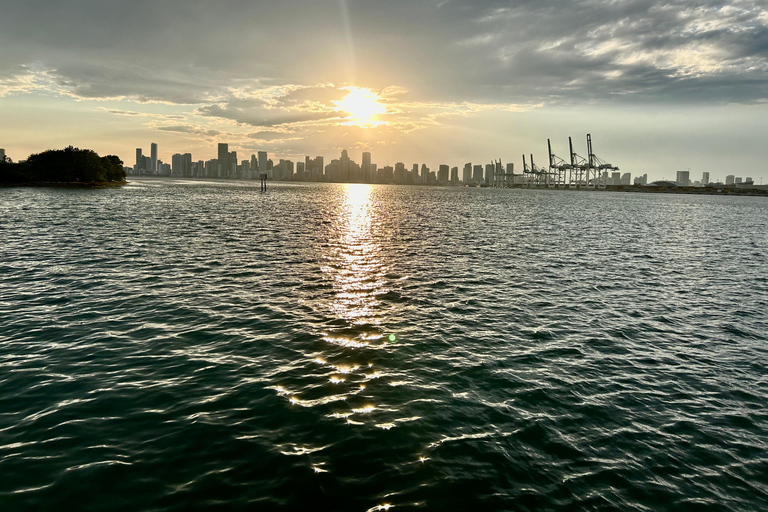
x,y
487,51
257,116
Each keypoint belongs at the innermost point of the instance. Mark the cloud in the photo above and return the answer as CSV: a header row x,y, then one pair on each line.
x,y
185,128
482,51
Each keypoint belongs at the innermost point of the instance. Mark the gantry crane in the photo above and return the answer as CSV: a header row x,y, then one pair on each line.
x,y
597,167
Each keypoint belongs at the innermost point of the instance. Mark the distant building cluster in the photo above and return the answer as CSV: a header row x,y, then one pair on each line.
x,y
338,170
346,170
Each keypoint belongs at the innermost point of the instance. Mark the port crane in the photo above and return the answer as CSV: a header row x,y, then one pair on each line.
x,y
558,168
597,167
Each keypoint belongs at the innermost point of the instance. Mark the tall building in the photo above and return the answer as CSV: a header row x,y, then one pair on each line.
x,y
139,160
442,174
233,164
366,158
398,175
489,168
385,174
254,167
705,178
186,169
477,173
153,162
615,178
177,164
224,160
262,162
683,178
466,176
729,179
454,175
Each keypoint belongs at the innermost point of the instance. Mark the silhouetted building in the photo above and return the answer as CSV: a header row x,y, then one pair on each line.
x,y
442,174
262,156
705,178
343,170
233,164
177,164
454,176
153,161
467,173
683,178
186,169
477,173
399,174
223,160
385,174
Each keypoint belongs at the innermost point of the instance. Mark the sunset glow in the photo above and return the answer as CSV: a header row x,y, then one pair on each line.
x,y
362,105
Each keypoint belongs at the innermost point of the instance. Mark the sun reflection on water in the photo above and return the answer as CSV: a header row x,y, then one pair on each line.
x,y
356,268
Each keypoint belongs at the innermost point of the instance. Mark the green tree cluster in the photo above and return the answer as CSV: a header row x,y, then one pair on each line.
x,y
68,165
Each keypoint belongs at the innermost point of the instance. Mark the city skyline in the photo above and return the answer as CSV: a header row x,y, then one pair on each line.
x,y
663,87
555,171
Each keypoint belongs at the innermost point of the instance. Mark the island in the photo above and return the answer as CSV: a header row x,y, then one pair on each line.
x,y
69,166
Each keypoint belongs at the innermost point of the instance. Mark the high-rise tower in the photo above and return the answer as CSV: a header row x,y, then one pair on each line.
x,y
224,160
153,162
262,162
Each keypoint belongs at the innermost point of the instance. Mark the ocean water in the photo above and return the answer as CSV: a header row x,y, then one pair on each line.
x,y
189,345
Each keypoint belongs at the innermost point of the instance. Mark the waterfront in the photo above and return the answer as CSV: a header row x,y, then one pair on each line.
x,y
176,345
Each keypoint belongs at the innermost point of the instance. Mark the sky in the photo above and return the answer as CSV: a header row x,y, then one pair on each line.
x,y
661,86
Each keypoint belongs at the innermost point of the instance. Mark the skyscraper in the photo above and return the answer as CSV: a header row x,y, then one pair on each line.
x,y
442,173
477,173
683,178
177,164
398,176
262,162
139,159
467,173
153,162
223,160
705,178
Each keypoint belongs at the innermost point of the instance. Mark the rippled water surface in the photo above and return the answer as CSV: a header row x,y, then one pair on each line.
x,y
181,345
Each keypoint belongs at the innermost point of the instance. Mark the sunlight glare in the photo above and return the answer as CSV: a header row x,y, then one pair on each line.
x,y
362,106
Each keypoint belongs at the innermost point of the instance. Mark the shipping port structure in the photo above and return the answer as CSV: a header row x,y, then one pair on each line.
x,y
576,172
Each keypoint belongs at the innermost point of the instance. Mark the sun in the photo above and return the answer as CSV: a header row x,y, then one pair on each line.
x,y
362,105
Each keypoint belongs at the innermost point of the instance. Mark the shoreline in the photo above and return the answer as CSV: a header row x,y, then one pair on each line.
x,y
73,184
